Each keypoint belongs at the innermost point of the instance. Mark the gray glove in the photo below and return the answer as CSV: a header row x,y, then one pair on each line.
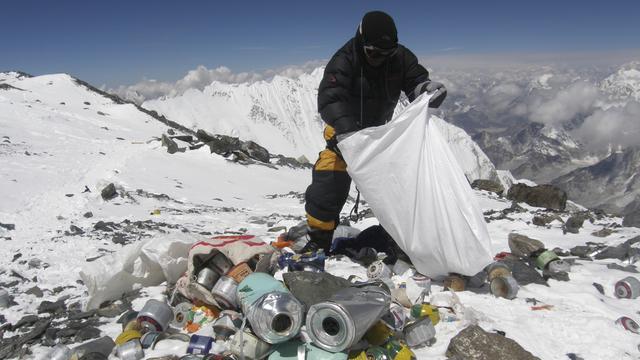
x,y
438,90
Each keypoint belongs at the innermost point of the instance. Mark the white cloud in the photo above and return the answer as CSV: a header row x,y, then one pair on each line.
x,y
613,126
577,99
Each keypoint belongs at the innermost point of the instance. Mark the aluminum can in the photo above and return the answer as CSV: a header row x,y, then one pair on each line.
x,y
224,292
419,333
200,345
59,352
399,351
628,324
207,278
131,350
274,313
379,270
340,322
505,287
628,288
155,315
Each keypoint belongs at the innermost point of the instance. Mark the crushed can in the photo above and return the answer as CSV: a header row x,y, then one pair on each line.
x,y
220,263
274,313
379,271
629,324
396,318
340,322
155,316
497,269
545,258
454,282
131,350
505,287
419,333
227,324
248,346
224,291
207,278
628,288
311,261
127,336
59,352
378,334
419,311
239,272
399,351
200,345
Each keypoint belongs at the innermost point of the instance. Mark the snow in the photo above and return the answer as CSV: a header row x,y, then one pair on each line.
x,y
69,149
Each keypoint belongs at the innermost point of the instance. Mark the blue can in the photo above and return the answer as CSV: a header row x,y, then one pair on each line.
x,y
200,345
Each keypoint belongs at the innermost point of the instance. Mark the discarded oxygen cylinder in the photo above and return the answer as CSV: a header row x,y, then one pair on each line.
x,y
419,333
505,287
59,352
497,269
628,324
419,311
224,291
200,345
246,345
294,350
227,324
131,350
379,271
155,315
544,258
340,322
399,351
220,263
207,278
628,288
274,313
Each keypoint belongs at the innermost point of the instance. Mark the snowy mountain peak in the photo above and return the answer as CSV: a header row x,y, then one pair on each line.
x,y
625,83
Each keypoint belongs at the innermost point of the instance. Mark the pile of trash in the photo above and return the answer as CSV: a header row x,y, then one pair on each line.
x,y
231,304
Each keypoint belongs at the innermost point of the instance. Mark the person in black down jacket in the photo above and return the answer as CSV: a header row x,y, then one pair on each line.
x,y
360,88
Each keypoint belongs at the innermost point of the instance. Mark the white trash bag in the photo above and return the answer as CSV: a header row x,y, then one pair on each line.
x,y
415,187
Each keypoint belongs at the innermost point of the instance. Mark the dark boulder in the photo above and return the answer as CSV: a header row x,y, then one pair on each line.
x,y
171,145
109,192
546,196
473,343
488,185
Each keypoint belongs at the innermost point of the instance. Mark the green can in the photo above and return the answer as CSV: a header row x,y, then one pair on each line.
x,y
399,351
545,258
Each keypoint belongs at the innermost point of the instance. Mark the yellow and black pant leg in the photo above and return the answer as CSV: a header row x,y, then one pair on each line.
x,y
329,188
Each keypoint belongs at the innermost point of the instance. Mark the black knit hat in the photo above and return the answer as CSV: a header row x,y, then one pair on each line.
x,y
378,29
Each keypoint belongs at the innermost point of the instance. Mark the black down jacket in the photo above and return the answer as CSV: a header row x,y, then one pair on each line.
x,y
354,95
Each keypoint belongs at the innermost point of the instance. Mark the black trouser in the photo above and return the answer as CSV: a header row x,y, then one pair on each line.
x,y
329,188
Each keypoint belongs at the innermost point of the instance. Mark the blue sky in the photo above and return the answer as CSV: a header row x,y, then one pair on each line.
x,y
119,42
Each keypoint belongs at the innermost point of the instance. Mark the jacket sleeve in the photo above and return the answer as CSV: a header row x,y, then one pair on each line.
x,y
414,75
334,94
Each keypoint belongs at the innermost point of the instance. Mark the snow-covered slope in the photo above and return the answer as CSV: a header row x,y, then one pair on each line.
x,y
625,83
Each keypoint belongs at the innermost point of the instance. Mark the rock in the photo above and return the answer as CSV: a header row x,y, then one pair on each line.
x,y
312,287
573,224
35,263
105,226
94,356
523,246
559,276
88,214
35,291
523,273
27,320
171,145
52,307
8,226
87,334
629,268
599,287
632,219
282,160
546,196
473,343
171,132
604,232
185,138
277,229
488,185
112,310
109,192
74,230
119,238
545,219
103,346
82,315
561,252
255,151
620,252
204,136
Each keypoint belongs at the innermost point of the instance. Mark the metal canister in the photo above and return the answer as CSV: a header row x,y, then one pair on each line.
x,y
274,313
497,269
224,291
628,324
5,298
59,352
418,311
239,272
378,334
181,315
379,270
221,264
127,336
396,318
207,278
401,267
200,345
148,339
505,287
545,258
245,344
131,350
419,333
454,282
628,288
155,315
399,351
227,324
377,353
340,322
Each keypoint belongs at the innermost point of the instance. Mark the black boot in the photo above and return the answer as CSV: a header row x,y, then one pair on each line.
x,y
318,239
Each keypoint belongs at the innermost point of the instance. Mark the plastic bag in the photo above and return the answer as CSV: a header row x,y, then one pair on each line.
x,y
419,193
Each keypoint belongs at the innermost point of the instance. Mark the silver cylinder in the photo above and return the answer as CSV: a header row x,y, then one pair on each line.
x,y
340,322
628,324
227,324
207,278
505,287
221,263
224,291
246,345
628,288
497,269
276,317
131,350
419,333
379,270
155,315
181,315
59,352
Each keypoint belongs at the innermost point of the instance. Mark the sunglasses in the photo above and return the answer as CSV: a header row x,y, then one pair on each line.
x,y
375,52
